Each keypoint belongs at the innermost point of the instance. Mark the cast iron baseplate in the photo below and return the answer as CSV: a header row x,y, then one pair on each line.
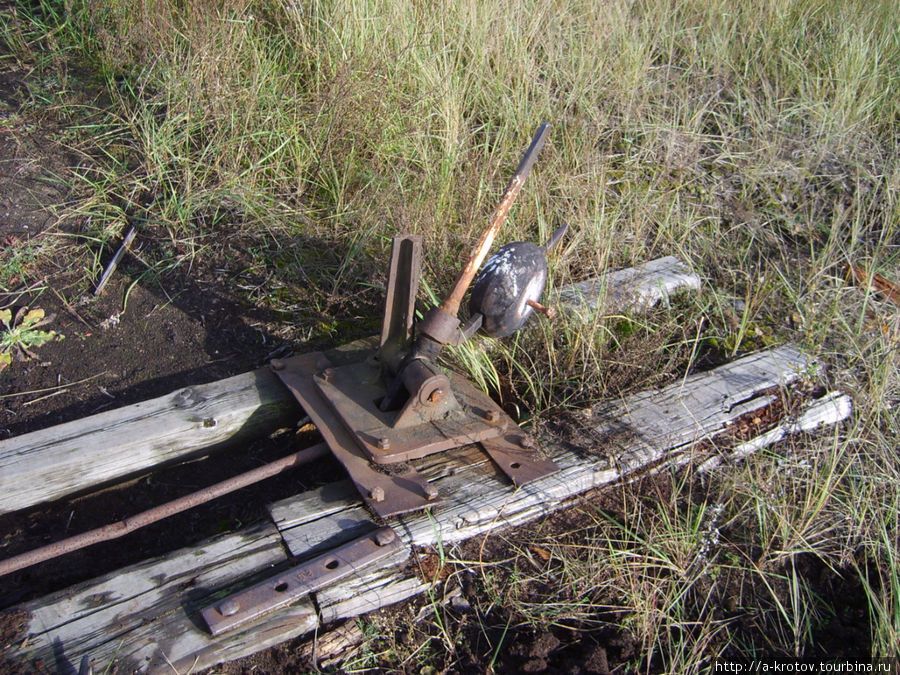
x,y
344,408
354,391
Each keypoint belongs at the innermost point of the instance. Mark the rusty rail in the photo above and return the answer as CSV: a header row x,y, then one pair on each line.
x,y
128,525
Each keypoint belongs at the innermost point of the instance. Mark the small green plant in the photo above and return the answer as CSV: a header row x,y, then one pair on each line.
x,y
22,334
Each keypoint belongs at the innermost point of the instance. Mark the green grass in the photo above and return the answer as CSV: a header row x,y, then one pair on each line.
x,y
756,141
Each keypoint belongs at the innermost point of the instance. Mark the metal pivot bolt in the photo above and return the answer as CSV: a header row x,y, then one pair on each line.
x,y
549,312
376,494
436,395
385,536
229,607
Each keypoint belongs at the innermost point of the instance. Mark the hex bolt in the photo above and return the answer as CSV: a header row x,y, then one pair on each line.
x,y
526,442
327,374
431,492
229,607
385,536
277,364
492,416
384,443
436,395
376,494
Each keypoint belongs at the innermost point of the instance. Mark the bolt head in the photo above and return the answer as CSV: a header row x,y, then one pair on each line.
x,y
492,416
385,536
376,494
229,607
384,443
277,364
431,492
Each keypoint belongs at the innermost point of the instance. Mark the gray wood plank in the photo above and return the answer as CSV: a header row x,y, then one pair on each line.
x,y
144,616
72,457
110,619
388,583
633,289
619,439
113,445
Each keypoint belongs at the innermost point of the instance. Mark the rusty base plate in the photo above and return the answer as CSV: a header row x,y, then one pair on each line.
x,y
355,390
514,455
386,494
401,490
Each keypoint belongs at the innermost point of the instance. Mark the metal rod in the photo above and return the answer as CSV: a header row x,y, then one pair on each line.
x,y
111,267
454,299
128,525
549,312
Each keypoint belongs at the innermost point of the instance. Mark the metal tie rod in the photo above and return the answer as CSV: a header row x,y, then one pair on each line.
x,y
189,501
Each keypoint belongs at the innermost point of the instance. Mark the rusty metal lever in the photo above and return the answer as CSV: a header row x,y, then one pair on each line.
x,y
451,303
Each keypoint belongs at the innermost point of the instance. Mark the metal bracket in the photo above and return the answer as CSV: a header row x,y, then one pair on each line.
x,y
342,402
357,556
387,494
449,416
400,300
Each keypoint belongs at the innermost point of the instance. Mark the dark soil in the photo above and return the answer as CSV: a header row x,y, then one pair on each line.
x,y
190,326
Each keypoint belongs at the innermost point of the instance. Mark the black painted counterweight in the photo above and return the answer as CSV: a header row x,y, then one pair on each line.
x,y
511,277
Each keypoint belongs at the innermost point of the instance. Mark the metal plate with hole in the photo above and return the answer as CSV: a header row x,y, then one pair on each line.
x,y
357,556
521,464
355,390
386,494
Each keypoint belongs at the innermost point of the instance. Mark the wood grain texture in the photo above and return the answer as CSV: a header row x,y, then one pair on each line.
x,y
145,616
156,622
72,457
634,289
618,439
84,454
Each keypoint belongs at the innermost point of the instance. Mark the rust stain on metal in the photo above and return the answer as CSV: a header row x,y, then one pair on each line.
x,y
549,312
354,557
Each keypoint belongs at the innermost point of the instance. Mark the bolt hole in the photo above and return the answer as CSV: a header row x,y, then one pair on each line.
x,y
331,564
514,465
282,587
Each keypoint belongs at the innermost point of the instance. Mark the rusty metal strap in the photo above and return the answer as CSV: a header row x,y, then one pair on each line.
x,y
312,575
